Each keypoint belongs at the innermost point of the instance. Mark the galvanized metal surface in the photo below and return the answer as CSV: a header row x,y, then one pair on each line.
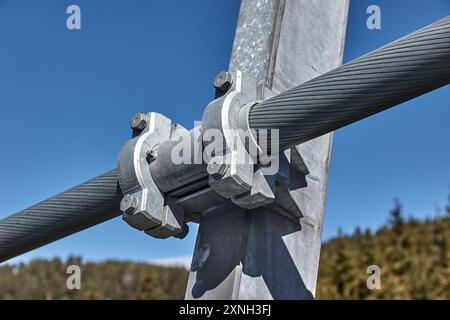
x,y
258,254
221,116
152,212
254,38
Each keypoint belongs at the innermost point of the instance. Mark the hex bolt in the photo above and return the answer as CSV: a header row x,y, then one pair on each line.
x,y
151,155
139,121
217,168
129,204
223,81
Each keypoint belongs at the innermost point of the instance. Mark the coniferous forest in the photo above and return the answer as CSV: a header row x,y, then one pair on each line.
x,y
413,256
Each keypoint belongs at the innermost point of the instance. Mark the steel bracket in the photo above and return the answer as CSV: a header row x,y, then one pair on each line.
x,y
234,172
145,207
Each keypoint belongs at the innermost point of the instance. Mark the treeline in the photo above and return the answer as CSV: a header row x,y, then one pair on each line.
x,y
47,279
413,257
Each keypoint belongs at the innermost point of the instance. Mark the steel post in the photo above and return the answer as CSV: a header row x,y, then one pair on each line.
x,y
256,254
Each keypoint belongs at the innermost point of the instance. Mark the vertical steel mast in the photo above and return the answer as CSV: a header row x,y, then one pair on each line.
x,y
258,254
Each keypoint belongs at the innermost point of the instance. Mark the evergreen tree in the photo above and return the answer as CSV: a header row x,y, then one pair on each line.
x,y
396,217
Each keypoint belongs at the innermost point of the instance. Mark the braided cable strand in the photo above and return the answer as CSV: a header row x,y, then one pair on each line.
x,y
76,209
384,78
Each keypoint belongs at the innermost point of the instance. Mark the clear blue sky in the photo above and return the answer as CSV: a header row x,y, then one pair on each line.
x,y
67,96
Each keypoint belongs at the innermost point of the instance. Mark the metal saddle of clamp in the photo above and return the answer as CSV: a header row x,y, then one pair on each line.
x,y
234,174
237,174
145,207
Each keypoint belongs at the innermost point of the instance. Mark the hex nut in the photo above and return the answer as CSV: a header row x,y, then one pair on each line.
x,y
217,168
151,155
129,204
183,232
223,81
139,121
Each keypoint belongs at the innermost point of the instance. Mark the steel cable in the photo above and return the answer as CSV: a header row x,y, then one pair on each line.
x,y
76,209
384,78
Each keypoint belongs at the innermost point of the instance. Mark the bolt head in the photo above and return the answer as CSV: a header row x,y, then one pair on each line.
x,y
139,121
129,204
217,168
223,81
151,155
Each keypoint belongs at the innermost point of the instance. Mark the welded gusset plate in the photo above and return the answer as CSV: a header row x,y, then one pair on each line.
x,y
275,191
291,176
262,192
145,207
